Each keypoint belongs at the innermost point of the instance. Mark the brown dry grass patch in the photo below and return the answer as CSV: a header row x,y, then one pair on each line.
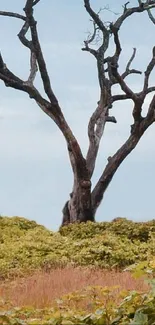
x,y
41,289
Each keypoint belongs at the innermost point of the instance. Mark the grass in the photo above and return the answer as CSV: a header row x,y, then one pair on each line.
x,y
41,289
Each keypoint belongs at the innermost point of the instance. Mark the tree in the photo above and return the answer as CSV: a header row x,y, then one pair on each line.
x,y
85,200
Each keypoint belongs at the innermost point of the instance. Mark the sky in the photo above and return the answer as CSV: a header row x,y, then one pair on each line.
x,y
35,173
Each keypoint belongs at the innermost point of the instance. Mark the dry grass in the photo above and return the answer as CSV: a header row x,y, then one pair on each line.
x,y
41,289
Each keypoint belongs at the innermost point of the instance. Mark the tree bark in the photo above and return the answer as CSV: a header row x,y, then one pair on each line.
x,y
79,207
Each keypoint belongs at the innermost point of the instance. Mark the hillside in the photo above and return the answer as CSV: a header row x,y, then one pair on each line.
x,y
91,254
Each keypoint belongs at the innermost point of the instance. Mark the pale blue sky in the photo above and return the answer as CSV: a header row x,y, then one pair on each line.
x,y
35,172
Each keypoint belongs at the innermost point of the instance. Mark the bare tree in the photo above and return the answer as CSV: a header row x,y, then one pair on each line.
x,y
84,200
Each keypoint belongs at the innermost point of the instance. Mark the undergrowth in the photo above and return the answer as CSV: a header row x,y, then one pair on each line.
x,y
26,246
27,249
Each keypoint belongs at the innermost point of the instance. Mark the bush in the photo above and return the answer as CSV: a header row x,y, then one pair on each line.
x,y
26,246
119,226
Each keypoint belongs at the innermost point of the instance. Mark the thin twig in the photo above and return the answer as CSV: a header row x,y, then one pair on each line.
x,y
128,70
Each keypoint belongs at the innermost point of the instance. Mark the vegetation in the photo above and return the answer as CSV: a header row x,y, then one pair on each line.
x,y
32,257
25,246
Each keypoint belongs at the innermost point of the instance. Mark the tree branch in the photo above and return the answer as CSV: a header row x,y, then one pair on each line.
x,y
120,97
23,38
95,16
124,96
90,50
131,59
111,119
114,30
25,42
150,90
151,16
52,107
128,12
115,161
90,40
151,111
12,14
11,80
110,169
113,60
95,131
125,6
122,83
33,69
38,52
148,71
51,110
128,70
35,2
105,33
29,45
101,116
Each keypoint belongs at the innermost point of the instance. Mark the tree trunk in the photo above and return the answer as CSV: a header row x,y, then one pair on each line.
x,y
83,203
79,207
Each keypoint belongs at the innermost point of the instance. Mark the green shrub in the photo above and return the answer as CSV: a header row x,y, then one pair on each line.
x,y
119,226
26,246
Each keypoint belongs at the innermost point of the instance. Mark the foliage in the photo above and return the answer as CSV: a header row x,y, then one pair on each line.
x,y
26,246
134,309
119,226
